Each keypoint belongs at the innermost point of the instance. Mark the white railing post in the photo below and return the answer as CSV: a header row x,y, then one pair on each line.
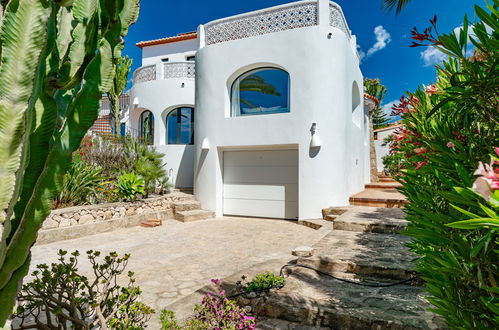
x,y
201,37
323,12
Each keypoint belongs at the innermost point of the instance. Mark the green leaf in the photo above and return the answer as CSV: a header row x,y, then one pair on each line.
x,y
475,223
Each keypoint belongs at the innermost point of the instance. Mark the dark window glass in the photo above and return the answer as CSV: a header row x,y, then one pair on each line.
x,y
260,92
166,59
146,127
180,126
190,58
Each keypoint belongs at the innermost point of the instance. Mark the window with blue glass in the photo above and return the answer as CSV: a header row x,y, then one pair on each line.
x,y
260,92
180,126
146,127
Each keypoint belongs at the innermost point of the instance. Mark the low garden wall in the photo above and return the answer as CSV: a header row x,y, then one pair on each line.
x,y
86,220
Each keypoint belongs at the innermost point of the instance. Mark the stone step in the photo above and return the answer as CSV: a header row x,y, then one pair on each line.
x,y
389,198
194,215
320,301
314,223
363,255
384,185
367,220
386,179
187,206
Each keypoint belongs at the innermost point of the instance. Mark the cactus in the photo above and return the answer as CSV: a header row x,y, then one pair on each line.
x,y
55,63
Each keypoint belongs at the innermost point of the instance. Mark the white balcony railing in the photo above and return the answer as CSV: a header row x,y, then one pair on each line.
x,y
179,70
145,73
295,15
286,17
337,19
170,70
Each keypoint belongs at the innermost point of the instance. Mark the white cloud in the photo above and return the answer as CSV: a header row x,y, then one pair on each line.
x,y
432,56
383,38
387,107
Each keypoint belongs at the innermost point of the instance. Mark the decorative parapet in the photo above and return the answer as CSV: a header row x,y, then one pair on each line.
x,y
276,19
146,73
337,19
179,70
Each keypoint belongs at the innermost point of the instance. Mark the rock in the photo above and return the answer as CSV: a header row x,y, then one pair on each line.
x,y
140,210
65,223
130,211
50,224
252,295
108,215
74,222
247,309
303,251
76,216
57,218
88,218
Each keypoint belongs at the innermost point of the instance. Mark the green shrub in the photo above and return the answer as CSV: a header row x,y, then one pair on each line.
x,y
129,186
80,185
448,128
261,282
59,296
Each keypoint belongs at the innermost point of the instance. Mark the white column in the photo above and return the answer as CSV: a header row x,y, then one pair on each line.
x,y
201,37
323,12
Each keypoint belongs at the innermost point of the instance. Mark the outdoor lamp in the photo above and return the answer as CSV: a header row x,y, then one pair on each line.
x,y
136,101
316,140
205,145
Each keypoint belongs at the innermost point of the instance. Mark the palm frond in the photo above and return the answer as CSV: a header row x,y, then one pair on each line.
x,y
399,4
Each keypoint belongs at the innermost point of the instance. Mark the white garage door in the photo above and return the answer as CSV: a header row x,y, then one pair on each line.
x,y
261,183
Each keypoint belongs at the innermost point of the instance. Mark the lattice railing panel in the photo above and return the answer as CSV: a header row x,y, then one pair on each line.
x,y
179,70
143,74
337,19
294,16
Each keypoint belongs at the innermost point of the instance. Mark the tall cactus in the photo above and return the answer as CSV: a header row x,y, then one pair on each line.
x,y
55,63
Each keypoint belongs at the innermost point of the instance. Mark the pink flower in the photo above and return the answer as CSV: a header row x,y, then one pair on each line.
x,y
421,164
431,90
497,151
216,281
450,145
420,151
487,181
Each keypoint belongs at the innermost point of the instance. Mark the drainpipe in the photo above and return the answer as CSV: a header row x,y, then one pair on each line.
x,y
201,37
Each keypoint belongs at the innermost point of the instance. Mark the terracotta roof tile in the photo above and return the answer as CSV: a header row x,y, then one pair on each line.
x,y
179,37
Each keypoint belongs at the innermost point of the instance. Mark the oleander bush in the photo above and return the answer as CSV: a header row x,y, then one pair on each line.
x,y
60,297
449,132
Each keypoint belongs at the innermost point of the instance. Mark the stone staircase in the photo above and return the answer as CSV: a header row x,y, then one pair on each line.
x,y
381,194
364,246
190,210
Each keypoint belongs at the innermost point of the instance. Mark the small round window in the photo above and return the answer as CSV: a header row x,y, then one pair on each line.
x,y
261,92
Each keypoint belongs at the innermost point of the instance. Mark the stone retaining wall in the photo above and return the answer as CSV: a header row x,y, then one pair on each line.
x,y
86,220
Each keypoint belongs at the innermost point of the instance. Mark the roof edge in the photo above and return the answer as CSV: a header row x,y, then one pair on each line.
x,y
179,37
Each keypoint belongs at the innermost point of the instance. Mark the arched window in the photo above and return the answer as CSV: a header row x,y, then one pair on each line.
x,y
180,126
356,105
260,92
146,127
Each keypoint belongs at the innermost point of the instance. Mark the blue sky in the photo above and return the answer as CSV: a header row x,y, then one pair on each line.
x,y
382,35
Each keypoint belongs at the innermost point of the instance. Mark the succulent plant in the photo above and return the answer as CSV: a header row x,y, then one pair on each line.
x,y
55,63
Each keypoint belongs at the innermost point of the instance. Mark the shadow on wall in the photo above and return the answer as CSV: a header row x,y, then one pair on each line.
x,y
184,178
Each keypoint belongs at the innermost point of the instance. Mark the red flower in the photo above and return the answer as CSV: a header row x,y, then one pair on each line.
x,y
90,144
420,151
82,153
450,145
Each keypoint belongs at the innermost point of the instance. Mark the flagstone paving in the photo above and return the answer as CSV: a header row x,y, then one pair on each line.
x,y
176,259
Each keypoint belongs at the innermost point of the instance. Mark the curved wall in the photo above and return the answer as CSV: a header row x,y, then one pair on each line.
x,y
322,70
160,97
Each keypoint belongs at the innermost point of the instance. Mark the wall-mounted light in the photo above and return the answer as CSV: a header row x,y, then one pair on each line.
x,y
329,35
183,85
205,145
316,140
135,101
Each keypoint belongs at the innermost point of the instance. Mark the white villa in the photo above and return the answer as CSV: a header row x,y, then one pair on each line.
x,y
262,114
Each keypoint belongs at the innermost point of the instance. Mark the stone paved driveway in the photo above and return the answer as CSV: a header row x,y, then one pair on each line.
x,y
176,259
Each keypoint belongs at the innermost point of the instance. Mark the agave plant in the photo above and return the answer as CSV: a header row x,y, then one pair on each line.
x,y
56,62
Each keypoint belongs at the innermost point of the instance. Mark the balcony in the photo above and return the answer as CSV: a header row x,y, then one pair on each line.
x,y
285,17
170,70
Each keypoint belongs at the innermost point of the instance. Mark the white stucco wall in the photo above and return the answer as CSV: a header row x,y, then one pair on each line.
x,y
175,52
382,151
160,97
322,71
